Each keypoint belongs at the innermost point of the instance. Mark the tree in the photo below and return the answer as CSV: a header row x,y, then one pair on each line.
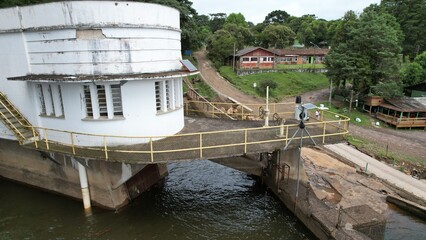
x,y
217,20
415,72
220,46
237,19
368,51
277,36
12,3
411,74
243,35
277,16
411,15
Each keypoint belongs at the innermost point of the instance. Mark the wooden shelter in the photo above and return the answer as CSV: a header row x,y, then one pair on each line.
x,y
401,113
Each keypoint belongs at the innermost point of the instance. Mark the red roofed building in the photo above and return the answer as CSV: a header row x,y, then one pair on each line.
x,y
255,58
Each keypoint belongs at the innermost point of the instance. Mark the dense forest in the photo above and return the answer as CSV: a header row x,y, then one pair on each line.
x,y
379,51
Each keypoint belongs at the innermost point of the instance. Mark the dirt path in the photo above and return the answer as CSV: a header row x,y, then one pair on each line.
x,y
218,83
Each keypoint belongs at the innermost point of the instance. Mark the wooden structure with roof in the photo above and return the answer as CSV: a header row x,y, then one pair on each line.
x,y
401,113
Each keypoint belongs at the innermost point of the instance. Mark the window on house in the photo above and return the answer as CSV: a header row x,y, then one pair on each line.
x,y
88,98
246,59
158,96
168,102
116,99
40,94
102,101
52,100
106,101
61,102
254,59
168,95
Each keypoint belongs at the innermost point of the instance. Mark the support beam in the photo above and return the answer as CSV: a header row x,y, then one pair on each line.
x,y
84,186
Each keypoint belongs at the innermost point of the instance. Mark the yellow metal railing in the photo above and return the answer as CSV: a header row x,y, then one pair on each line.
x,y
242,111
200,145
15,114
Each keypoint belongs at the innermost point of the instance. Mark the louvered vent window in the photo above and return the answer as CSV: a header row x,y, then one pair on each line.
x,y
106,102
116,99
102,101
88,98
168,103
158,96
61,102
40,94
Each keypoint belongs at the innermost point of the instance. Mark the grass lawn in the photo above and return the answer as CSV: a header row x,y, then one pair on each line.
x,y
288,84
363,117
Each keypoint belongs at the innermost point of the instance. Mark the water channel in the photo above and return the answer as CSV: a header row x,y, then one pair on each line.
x,y
198,200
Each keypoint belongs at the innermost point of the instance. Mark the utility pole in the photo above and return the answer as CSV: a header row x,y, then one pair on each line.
x,y
233,60
329,97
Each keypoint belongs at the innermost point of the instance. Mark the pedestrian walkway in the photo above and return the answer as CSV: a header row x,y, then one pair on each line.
x,y
381,170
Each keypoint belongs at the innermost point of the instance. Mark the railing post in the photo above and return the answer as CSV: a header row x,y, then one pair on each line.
x,y
201,146
323,132
212,112
72,143
242,112
34,136
151,149
105,148
245,141
45,138
286,135
281,128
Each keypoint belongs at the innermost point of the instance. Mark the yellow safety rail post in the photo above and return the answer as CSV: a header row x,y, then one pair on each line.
x,y
286,135
45,138
201,146
105,148
242,112
245,141
72,143
151,149
323,132
34,136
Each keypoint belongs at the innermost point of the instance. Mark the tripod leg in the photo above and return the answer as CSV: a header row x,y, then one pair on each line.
x,y
306,130
291,139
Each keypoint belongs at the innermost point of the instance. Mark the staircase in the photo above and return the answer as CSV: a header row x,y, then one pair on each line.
x,y
193,94
14,120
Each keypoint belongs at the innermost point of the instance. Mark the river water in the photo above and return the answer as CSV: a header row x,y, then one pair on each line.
x,y
198,200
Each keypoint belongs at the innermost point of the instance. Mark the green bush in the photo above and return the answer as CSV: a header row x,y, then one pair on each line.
x,y
264,84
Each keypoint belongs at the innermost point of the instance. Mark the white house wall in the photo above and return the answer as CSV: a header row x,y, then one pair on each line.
x,y
13,62
139,117
83,13
91,38
61,52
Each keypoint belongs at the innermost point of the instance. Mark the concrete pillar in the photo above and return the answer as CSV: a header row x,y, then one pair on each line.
x,y
84,186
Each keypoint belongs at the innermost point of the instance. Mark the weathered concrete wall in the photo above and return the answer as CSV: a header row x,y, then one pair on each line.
x,y
325,221
108,182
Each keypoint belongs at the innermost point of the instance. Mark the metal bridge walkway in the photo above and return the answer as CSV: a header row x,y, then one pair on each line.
x,y
202,138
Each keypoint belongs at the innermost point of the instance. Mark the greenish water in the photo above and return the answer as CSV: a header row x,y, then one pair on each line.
x,y
198,200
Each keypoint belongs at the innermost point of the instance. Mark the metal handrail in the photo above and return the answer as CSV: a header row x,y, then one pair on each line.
x,y
205,101
25,123
12,125
199,139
